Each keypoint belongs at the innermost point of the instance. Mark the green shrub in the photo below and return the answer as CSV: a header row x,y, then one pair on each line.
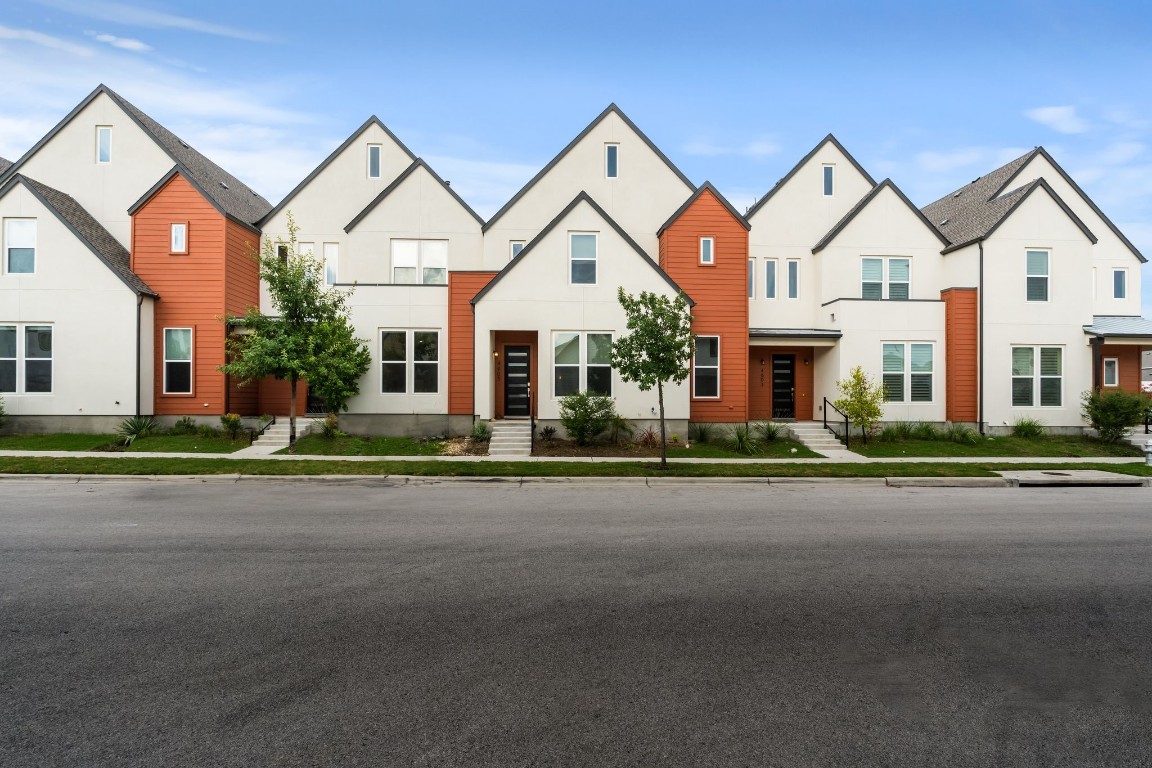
x,y
207,430
925,431
481,433
135,427
959,433
767,431
1029,429
585,415
1113,413
740,440
548,433
620,430
699,433
330,427
232,424
185,425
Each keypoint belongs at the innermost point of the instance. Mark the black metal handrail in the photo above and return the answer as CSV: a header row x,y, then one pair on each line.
x,y
1148,421
255,433
531,422
827,405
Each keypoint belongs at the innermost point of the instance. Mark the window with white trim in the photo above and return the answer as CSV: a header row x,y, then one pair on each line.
x,y
581,362
20,246
1037,275
706,367
908,371
1120,283
829,178
331,262
25,359
582,247
177,361
409,361
179,237
707,250
374,151
103,144
514,248
1037,376
885,278
420,262
793,279
1111,371
770,278
751,278
611,161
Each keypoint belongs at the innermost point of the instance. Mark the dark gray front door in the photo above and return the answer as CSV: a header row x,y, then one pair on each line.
x,y
516,362
783,386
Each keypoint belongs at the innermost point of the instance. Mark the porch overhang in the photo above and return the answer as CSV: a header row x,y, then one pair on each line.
x,y
1125,330
793,337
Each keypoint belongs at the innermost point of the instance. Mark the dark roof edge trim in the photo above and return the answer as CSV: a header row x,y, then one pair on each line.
x,y
694,197
417,163
864,202
803,161
180,170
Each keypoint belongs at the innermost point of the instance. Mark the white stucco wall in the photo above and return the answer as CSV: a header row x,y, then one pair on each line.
x,y
92,314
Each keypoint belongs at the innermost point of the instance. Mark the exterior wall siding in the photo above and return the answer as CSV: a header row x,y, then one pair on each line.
x,y
462,286
961,324
1128,361
760,381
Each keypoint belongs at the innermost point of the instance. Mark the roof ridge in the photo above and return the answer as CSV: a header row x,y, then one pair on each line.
x,y
864,202
830,138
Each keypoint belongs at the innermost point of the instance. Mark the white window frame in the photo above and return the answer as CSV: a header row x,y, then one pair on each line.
x,y
8,247
190,361
906,374
708,254
379,149
789,270
180,246
594,260
1123,273
1036,377
410,363
1029,275
886,282
105,130
582,365
751,278
513,251
697,367
424,260
774,272
611,148
331,263
1114,379
20,361
828,179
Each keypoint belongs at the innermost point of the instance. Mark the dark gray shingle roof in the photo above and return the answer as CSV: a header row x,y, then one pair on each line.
x,y
972,211
4,165
99,240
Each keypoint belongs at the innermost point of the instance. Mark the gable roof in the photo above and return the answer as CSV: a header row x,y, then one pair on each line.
x,y
373,120
583,197
86,229
4,165
226,191
611,109
976,208
829,139
864,202
706,186
191,179
417,163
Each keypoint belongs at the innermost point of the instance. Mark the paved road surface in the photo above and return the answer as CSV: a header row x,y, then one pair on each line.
x,y
172,624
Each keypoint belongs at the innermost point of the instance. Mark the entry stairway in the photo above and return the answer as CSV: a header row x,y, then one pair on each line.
x,y
511,438
814,436
276,435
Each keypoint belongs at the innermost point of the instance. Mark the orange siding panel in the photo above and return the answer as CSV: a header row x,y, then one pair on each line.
x,y
961,353
462,286
1128,360
276,395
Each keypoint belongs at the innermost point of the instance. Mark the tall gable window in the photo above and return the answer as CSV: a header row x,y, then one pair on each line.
x,y
420,262
793,278
882,278
374,161
611,160
331,262
103,144
179,238
829,178
1119,283
582,258
20,246
770,278
707,250
1037,275
751,278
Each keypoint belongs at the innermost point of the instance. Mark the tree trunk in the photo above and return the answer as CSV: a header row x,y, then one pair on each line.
x,y
663,440
292,418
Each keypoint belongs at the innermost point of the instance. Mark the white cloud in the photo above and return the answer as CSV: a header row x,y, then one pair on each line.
x,y
131,15
484,184
46,41
123,43
1061,119
757,148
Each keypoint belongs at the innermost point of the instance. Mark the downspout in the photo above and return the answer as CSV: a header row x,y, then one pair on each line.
x,y
139,305
980,340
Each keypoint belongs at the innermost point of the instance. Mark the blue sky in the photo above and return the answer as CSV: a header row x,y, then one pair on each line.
x,y
929,94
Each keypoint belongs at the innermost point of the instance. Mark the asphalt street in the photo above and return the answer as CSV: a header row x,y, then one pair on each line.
x,y
457,624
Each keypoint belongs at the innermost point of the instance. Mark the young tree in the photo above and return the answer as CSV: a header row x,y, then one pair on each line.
x,y
861,400
308,338
658,349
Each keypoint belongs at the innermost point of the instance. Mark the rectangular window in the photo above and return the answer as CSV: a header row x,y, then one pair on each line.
x,y
514,248
707,245
907,372
177,361
331,262
179,238
751,278
872,279
20,246
26,359
581,361
7,358
611,160
374,161
282,254
1037,276
770,279
582,258
1032,383
885,278
1119,283
829,177
423,262
793,279
706,367
409,362
103,144
1111,372
898,279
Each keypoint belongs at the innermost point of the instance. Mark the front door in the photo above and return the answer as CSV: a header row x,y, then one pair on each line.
x,y
783,386
516,388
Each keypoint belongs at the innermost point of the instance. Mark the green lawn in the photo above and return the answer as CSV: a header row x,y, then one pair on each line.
x,y
153,444
352,445
781,448
1054,445
54,442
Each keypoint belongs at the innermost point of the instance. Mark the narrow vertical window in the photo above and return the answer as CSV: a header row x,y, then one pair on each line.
x,y
1037,262
20,246
599,369
405,261
770,279
37,358
1119,283
331,262
565,364
707,244
611,160
1111,372
582,258
425,362
179,238
393,362
7,358
1023,376
178,361
282,254
899,279
920,375
706,367
829,179
751,278
374,161
872,279
514,248
434,262
793,279
103,144
894,373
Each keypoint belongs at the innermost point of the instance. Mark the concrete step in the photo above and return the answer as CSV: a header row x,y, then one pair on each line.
x,y
510,438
